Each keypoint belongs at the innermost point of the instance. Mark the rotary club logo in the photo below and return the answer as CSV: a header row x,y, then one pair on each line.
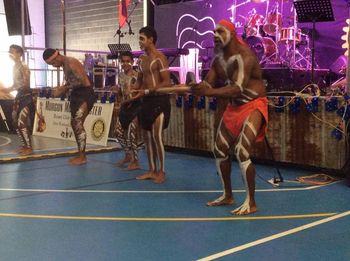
x,y
98,129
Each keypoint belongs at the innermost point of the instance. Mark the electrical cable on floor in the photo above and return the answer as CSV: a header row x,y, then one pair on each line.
x,y
276,179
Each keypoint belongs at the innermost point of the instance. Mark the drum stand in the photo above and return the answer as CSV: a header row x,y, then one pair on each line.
x,y
304,59
275,57
298,60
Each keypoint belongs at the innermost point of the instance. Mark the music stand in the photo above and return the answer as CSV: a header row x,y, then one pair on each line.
x,y
118,48
313,11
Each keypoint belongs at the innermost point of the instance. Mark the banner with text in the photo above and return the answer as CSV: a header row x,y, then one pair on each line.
x,y
52,119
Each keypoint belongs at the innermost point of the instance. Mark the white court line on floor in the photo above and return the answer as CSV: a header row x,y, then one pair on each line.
x,y
148,191
7,141
272,237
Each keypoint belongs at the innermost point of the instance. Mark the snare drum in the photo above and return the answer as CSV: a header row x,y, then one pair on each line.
x,y
253,24
288,35
273,20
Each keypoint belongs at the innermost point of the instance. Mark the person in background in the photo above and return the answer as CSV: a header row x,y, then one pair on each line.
x,y
23,106
126,127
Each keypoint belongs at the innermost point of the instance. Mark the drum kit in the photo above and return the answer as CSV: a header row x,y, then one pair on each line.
x,y
272,42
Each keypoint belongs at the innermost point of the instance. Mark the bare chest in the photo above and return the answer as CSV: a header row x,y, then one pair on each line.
x,y
149,65
227,68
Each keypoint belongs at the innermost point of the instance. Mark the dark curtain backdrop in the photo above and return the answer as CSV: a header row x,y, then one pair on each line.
x,y
327,41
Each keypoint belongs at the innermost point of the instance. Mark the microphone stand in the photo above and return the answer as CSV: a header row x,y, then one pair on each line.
x,y
130,32
121,34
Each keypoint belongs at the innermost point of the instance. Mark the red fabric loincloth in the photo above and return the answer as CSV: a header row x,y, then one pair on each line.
x,y
234,116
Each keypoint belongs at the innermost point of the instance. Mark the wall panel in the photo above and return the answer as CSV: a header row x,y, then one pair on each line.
x,y
90,24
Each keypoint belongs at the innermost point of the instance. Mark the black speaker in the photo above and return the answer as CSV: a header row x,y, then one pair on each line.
x,y
98,77
110,79
13,13
278,79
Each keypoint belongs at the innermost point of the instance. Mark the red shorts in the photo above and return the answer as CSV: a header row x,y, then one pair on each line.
x,y
234,116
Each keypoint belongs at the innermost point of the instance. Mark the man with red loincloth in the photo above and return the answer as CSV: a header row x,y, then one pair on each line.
x,y
244,121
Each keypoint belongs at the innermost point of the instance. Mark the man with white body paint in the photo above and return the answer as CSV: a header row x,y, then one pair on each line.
x,y
23,106
245,118
82,96
155,109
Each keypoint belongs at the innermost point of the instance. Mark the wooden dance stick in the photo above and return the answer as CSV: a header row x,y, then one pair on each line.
x,y
176,89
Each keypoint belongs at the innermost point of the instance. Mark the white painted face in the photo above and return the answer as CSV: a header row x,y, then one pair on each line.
x,y
222,36
126,63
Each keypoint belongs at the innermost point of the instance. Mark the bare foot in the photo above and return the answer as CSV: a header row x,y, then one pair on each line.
x,y
126,159
221,201
22,148
76,161
244,209
147,175
134,165
160,178
26,151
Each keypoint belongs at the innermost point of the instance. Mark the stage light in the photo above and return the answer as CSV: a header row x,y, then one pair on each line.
x,y
345,37
6,65
208,4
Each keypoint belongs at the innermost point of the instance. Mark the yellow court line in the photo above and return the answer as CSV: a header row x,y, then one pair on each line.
x,y
163,219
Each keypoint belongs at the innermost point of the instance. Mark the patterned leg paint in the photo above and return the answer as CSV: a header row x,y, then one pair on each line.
x,y
222,160
133,140
78,129
77,123
15,124
120,133
151,173
157,137
132,144
22,129
150,152
244,162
